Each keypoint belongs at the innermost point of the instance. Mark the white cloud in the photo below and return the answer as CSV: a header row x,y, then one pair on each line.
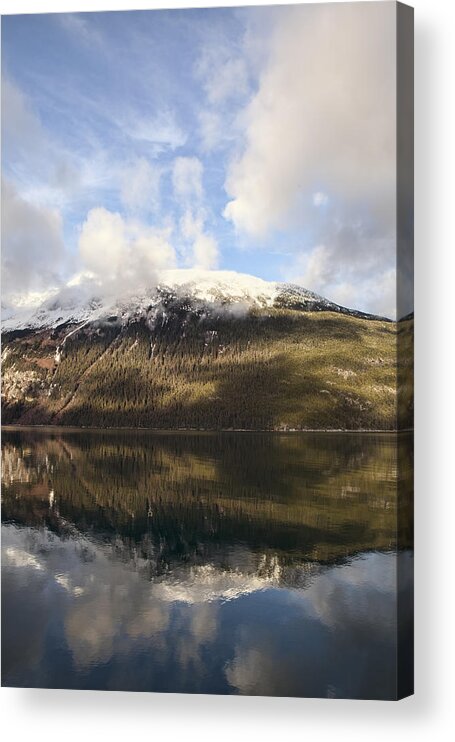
x,y
33,250
22,132
347,273
205,251
324,112
187,177
222,70
321,132
140,186
204,247
160,130
123,254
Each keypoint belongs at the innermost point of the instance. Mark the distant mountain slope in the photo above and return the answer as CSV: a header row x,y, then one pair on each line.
x,y
211,350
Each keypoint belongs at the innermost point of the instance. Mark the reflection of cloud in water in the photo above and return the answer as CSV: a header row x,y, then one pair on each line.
x,y
14,557
344,627
111,612
334,596
112,601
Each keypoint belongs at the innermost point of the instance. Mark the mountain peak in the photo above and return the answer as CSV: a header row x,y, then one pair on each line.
x,y
86,300
211,285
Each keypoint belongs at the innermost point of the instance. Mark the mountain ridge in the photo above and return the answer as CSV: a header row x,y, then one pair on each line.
x,y
234,354
84,301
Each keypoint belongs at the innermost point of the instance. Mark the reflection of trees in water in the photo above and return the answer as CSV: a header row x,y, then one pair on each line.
x,y
196,497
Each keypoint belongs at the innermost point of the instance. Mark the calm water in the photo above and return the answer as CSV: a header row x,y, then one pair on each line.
x,y
203,563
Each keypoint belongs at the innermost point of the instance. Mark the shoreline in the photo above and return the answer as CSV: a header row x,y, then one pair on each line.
x,y
211,431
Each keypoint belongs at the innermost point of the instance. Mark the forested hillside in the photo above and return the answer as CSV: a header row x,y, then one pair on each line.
x,y
268,368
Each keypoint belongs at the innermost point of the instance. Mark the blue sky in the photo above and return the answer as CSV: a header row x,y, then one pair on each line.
x,y
259,140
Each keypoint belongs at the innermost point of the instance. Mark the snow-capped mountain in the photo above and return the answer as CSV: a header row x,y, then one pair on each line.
x,y
200,349
85,301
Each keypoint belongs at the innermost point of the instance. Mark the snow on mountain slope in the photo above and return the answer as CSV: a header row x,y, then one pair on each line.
x,y
86,301
213,286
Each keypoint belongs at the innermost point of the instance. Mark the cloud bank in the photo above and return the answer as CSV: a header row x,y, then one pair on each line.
x,y
320,136
324,113
33,251
123,255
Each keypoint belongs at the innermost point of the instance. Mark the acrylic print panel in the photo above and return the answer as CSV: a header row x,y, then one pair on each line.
x,y
207,328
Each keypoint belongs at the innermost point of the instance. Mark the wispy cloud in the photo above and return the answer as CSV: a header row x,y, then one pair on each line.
x,y
223,73
189,192
140,188
81,29
160,130
265,129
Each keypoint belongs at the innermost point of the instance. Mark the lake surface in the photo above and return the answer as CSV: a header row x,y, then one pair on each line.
x,y
240,563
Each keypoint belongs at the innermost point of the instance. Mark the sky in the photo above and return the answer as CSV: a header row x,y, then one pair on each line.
x,y
260,140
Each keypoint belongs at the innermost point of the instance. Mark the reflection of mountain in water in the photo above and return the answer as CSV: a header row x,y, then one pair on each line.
x,y
229,563
258,503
